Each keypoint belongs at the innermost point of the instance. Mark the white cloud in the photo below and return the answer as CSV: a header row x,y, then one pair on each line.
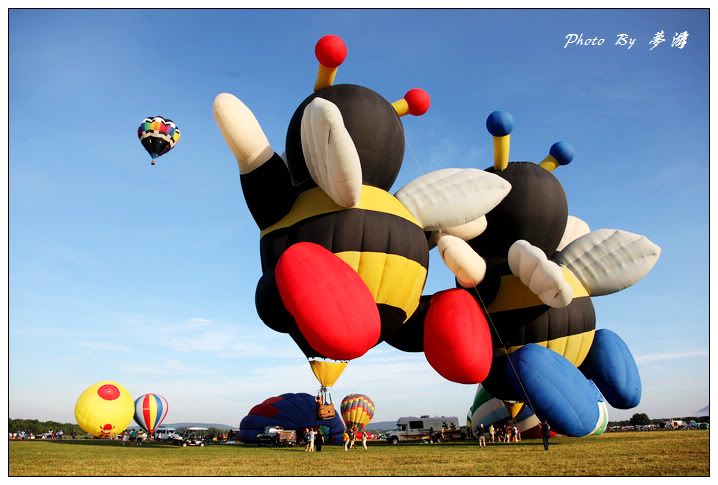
x,y
671,356
102,346
226,340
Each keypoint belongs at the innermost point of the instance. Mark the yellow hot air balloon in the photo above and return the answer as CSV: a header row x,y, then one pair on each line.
x,y
104,409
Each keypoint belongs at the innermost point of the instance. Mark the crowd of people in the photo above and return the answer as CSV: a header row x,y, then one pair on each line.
x,y
29,435
132,437
508,433
313,438
351,435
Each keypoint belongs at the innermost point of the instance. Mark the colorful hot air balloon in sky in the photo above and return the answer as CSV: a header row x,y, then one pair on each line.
x,y
150,411
104,409
344,261
357,410
158,135
291,411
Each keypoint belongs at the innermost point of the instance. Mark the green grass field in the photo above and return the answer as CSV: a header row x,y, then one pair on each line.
x,y
656,453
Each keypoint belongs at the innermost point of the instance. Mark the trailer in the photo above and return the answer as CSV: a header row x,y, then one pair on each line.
x,y
426,429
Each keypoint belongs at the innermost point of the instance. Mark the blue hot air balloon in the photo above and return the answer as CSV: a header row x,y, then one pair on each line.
x,y
290,411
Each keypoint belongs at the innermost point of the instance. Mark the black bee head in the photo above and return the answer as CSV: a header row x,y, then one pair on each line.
x,y
372,122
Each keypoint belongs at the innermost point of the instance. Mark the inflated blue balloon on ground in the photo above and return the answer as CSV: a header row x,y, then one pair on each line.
x,y
290,411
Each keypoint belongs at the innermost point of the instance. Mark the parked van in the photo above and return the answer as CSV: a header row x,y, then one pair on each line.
x,y
420,429
164,433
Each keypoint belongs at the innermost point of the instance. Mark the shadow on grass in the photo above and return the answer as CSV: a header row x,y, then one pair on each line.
x,y
113,443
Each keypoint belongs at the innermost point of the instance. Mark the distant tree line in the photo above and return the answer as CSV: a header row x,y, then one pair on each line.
x,y
39,427
642,419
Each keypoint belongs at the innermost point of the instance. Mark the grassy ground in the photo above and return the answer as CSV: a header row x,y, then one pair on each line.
x,y
656,453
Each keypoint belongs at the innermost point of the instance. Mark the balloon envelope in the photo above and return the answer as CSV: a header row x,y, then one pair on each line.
x,y
104,409
158,135
357,410
290,411
150,410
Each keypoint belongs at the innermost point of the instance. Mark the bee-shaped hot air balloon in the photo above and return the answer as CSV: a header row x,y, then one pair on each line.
x,y
104,409
158,135
344,261
543,267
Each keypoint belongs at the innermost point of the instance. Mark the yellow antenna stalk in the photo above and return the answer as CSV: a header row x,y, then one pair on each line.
x,y
331,52
415,102
500,124
549,163
561,153
502,146
325,77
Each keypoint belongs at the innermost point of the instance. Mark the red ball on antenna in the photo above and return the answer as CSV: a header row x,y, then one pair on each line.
x,y
330,51
418,101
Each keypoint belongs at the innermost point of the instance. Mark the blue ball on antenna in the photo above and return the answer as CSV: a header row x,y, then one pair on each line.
x,y
500,123
562,152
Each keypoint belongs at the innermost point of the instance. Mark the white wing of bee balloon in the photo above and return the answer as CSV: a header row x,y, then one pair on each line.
x,y
468,230
453,202
468,267
575,228
608,260
242,132
542,276
452,197
330,154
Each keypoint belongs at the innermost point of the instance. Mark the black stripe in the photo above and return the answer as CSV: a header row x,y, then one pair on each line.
x,y
542,323
350,230
268,192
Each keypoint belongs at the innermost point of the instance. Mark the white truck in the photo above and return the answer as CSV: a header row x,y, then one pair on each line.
x,y
425,428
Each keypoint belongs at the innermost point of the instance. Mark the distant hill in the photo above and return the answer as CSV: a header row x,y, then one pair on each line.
x,y
381,426
192,425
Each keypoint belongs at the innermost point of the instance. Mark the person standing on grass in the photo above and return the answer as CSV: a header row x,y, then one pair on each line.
x,y
481,431
319,440
545,433
345,437
363,438
352,436
492,432
306,439
312,435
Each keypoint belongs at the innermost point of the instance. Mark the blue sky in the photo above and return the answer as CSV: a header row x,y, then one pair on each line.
x,y
146,275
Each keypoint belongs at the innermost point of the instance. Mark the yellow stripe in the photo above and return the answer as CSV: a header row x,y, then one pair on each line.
x,y
315,201
513,294
573,347
392,279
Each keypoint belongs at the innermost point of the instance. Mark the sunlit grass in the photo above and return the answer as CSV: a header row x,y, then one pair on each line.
x,y
657,453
